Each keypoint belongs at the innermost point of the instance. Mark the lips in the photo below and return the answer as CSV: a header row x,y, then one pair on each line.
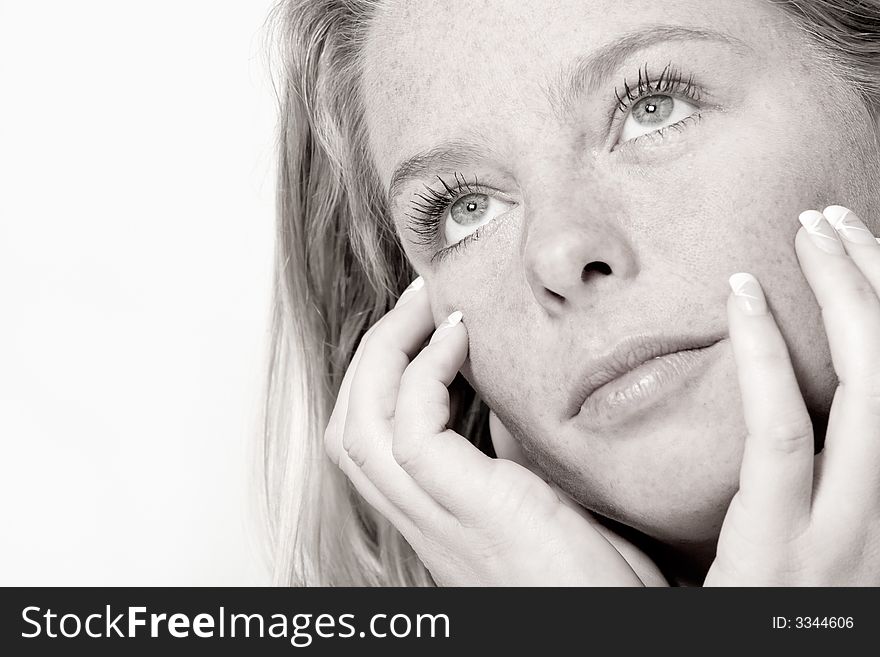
x,y
637,370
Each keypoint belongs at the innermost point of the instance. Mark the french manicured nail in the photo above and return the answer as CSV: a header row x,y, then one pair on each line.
x,y
443,330
848,225
821,232
410,291
748,294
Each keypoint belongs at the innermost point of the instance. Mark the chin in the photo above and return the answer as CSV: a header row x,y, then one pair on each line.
x,y
670,476
696,522
681,496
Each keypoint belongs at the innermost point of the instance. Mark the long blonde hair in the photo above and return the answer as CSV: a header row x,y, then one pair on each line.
x,y
340,266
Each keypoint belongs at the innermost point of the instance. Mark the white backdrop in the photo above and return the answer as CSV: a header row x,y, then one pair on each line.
x,y
135,266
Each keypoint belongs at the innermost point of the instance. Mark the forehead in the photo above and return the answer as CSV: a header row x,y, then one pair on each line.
x,y
464,69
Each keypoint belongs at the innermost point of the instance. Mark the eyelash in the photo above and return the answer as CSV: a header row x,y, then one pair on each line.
x,y
671,82
431,205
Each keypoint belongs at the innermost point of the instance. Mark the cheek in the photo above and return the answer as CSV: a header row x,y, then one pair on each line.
x,y
741,215
487,284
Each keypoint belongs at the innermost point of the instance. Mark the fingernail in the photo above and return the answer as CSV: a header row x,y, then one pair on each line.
x,y
848,225
821,232
748,294
447,324
410,291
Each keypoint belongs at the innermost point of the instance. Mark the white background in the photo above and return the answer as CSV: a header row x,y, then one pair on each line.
x,y
136,236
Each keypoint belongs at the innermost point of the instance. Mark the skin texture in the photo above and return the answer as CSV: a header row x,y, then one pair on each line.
x,y
796,519
671,217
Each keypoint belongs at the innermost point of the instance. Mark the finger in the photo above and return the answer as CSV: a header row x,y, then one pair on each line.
x,y
367,432
395,340
859,241
776,474
856,237
336,422
333,446
851,316
849,302
383,484
445,464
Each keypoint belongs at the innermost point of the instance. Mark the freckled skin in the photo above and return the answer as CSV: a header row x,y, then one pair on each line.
x,y
672,218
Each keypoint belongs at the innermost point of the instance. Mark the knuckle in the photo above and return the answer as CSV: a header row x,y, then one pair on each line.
x,y
504,476
348,440
354,444
863,292
494,544
371,338
370,332
408,455
411,374
408,377
330,442
517,493
789,434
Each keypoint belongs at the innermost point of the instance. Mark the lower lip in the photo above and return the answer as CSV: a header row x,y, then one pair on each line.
x,y
640,388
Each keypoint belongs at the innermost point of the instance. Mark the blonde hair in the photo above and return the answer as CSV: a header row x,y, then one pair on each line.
x,y
340,266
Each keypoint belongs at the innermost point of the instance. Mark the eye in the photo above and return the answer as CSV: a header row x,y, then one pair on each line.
x,y
470,212
654,113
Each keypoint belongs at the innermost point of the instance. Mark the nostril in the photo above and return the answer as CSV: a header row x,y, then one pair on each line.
x,y
595,267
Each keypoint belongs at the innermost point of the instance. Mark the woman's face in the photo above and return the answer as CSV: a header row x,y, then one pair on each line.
x,y
598,233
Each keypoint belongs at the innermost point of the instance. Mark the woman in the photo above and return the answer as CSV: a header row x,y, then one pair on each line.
x,y
574,186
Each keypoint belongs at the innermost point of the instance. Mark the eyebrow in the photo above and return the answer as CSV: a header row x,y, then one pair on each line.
x,y
582,76
447,155
586,73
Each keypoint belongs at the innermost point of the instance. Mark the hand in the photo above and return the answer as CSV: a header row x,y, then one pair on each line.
x,y
471,519
799,519
507,447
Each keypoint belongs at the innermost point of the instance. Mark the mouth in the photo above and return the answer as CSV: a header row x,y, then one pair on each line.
x,y
638,373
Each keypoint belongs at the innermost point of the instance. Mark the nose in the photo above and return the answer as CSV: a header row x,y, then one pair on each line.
x,y
571,259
